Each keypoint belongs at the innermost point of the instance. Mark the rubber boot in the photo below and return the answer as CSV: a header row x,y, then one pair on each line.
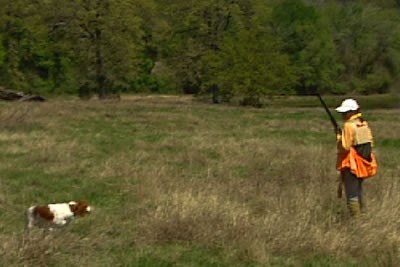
x,y
354,208
364,210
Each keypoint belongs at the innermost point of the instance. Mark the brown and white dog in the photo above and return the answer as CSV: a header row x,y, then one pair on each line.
x,y
57,215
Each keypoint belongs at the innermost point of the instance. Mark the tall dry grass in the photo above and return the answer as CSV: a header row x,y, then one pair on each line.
x,y
257,184
274,196
286,205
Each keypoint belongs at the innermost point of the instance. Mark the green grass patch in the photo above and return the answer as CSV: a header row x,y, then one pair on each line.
x,y
182,183
389,143
384,101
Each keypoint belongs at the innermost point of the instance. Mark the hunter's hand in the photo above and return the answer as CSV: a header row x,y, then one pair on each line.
x,y
338,132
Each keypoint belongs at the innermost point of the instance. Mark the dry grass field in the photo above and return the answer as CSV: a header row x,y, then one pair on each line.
x,y
176,182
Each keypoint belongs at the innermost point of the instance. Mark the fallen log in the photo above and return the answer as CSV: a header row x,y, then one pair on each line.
x,y
11,95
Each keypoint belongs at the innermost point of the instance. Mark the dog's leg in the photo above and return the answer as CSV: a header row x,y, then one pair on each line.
x,y
60,222
31,217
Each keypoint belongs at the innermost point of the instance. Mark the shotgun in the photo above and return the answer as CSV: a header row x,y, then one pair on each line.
x,y
339,192
333,120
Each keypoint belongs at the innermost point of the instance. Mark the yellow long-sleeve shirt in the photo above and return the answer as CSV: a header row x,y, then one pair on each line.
x,y
355,132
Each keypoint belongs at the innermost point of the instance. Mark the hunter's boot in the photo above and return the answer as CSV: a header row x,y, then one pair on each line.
x,y
363,206
354,208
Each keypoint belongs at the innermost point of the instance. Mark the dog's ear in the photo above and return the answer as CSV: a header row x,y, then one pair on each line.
x,y
81,208
73,206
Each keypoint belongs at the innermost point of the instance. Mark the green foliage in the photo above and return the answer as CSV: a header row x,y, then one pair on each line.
x,y
250,66
365,40
149,80
309,43
248,48
3,52
152,85
105,37
196,30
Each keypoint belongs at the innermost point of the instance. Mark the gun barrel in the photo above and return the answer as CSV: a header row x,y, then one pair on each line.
x,y
333,120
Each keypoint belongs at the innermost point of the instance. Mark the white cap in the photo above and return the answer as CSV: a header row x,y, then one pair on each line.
x,y
348,105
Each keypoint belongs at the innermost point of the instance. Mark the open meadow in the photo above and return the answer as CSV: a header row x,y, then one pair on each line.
x,y
177,182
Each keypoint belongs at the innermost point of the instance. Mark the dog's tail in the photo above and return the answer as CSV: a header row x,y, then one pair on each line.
x,y
31,216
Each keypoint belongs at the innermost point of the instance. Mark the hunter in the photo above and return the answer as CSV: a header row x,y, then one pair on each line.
x,y
355,160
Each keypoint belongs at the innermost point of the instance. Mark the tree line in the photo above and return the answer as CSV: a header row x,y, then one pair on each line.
x,y
246,48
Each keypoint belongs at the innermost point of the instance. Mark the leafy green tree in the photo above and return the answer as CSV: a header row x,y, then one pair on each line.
x,y
14,33
29,61
196,28
3,52
153,75
365,39
252,66
308,42
105,38
244,48
382,3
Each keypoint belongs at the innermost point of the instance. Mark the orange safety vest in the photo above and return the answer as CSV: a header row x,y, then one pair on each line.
x,y
359,166
357,132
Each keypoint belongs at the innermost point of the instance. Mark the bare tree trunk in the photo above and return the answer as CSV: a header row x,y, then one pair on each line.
x,y
100,77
